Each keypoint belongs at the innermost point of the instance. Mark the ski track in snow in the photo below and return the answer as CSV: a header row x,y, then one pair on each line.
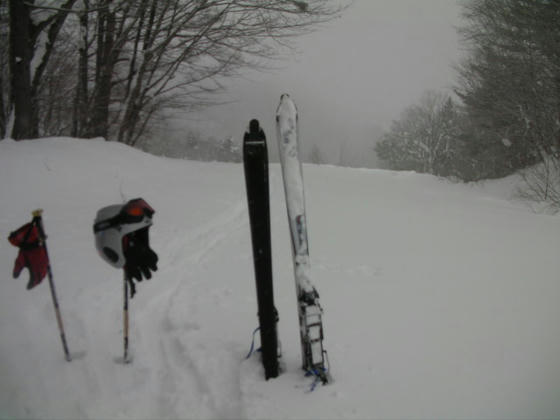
x,y
178,344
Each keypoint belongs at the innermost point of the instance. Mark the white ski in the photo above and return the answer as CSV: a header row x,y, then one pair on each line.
x,y
309,309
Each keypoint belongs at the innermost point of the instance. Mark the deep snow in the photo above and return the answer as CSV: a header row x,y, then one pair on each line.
x,y
441,300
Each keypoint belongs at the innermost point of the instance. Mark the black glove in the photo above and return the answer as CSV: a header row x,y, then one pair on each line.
x,y
140,258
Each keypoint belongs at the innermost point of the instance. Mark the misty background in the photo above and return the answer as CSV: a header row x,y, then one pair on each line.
x,y
466,90
350,79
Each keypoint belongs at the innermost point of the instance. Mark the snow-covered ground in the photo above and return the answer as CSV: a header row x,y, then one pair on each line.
x,y
441,300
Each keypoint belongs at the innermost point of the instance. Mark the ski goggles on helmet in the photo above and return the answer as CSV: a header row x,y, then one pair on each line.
x,y
135,211
113,223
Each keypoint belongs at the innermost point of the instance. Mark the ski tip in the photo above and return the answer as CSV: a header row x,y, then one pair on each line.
x,y
254,133
286,107
254,126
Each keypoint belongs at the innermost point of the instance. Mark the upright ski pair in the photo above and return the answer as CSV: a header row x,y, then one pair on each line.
x,y
256,174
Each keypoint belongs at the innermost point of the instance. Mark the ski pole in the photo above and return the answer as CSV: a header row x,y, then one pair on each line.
x,y
125,317
38,221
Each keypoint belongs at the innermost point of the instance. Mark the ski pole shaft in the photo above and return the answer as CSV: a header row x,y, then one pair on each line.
x,y
125,317
37,217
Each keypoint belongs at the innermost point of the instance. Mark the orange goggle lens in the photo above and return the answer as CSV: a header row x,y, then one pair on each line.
x,y
135,211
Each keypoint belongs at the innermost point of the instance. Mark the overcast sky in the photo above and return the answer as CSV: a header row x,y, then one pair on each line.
x,y
350,78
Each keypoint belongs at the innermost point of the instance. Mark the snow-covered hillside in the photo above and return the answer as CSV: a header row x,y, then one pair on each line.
x,y
441,300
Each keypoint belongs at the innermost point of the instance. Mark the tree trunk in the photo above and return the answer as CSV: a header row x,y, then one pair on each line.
x,y
79,123
99,123
136,75
2,110
21,53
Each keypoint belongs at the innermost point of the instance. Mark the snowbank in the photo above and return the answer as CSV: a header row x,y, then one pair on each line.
x,y
441,300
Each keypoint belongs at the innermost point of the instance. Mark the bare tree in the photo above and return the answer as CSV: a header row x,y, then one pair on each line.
x,y
154,55
135,59
33,32
80,112
56,89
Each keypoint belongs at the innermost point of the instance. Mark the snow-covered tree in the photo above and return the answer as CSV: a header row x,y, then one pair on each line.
x,y
423,139
510,81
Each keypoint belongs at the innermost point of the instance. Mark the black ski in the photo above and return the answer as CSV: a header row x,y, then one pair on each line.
x,y
255,158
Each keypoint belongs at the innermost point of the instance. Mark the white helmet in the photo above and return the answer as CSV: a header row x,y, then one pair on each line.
x,y
113,223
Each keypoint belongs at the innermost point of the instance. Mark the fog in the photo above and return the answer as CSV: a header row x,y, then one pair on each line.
x,y
349,79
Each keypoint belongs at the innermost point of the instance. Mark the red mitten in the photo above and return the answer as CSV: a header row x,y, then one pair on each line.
x,y
32,254
35,260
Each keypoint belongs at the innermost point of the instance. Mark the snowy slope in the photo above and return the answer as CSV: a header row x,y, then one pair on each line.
x,y
441,300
